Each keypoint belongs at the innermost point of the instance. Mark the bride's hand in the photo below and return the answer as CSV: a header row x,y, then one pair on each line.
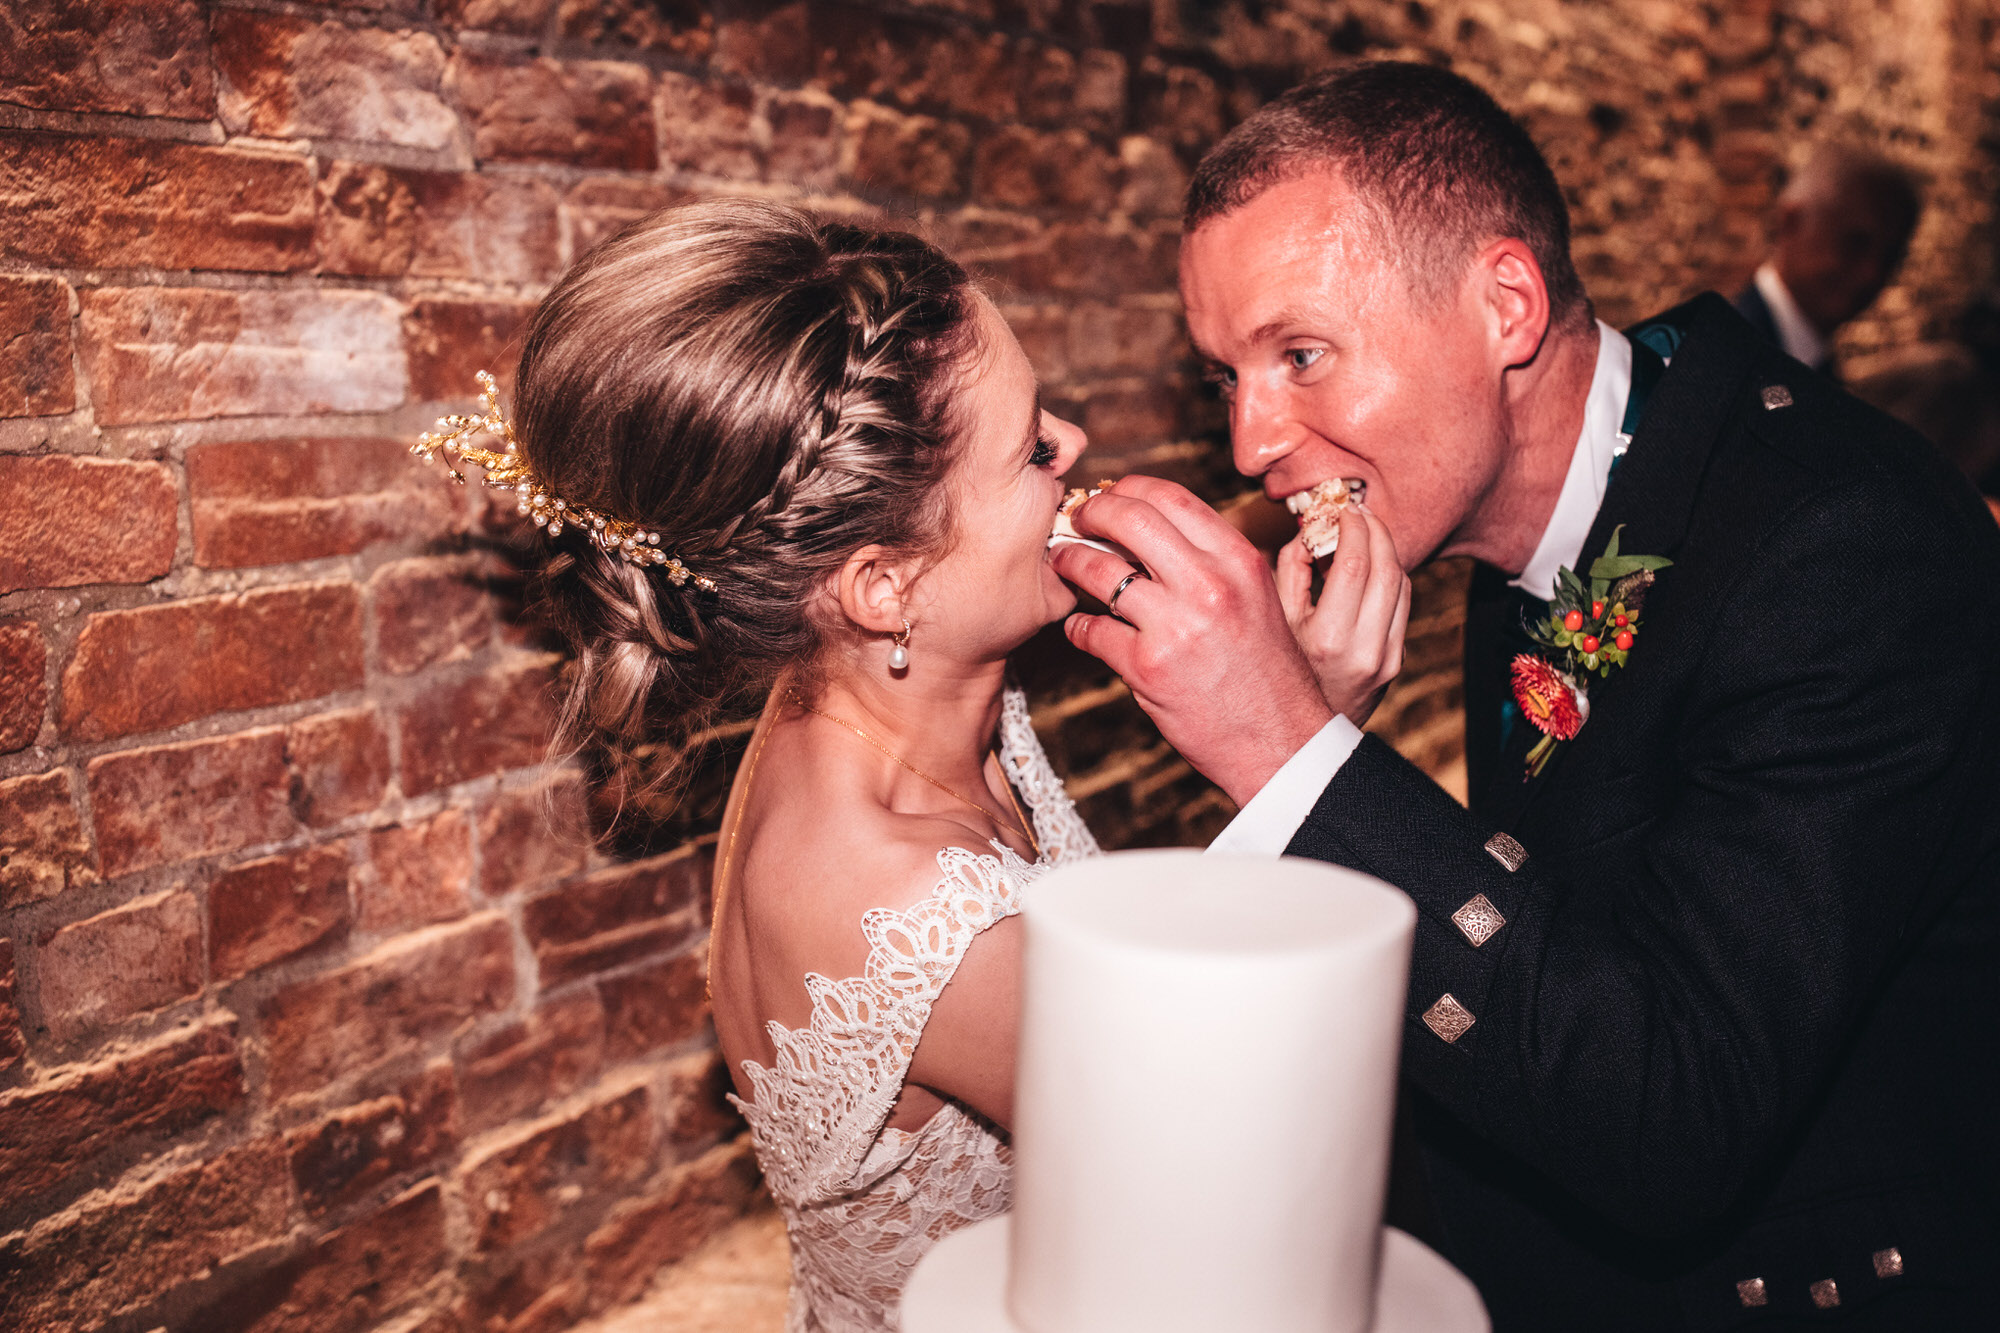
x,y
1353,636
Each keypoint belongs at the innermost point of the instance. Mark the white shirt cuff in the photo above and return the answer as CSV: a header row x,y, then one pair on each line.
x,y
1266,826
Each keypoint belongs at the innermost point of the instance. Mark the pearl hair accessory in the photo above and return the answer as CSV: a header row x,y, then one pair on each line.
x,y
508,471
899,656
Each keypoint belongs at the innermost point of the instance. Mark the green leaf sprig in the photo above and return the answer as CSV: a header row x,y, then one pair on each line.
x,y
1591,626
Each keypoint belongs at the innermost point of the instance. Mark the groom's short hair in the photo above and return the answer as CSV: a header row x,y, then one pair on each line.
x,y
1442,168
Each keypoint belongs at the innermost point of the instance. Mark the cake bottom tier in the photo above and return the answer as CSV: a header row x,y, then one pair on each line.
x,y
960,1287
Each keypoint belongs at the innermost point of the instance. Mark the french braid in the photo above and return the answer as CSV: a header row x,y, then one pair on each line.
x,y
771,392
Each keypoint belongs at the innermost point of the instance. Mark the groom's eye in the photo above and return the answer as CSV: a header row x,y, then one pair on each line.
x,y
1222,377
1302,358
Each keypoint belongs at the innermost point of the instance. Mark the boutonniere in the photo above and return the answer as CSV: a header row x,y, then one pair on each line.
x,y
1590,629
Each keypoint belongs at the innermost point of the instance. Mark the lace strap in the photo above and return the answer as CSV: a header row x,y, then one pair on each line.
x,y
1060,830
821,1106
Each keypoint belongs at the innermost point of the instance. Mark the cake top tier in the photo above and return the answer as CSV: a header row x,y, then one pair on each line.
x,y
1173,902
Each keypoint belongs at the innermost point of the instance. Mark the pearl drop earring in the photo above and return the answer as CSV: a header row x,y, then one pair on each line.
x,y
899,656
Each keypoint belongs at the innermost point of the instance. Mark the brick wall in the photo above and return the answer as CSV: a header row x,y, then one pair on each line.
x,y
308,1020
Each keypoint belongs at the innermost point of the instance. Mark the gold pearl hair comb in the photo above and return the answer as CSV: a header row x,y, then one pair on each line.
x,y
508,471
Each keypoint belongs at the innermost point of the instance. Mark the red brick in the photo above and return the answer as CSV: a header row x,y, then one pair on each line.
x,y
1186,109
377,221
269,502
805,139
450,342
1087,90
655,1005
683,30
263,912
1121,419
72,521
532,837
113,1252
339,764
540,1291
24,695
186,353
525,17
1155,180
1018,168
342,1157
1092,259
912,156
601,208
970,73
428,612
290,77
1139,339
132,959
481,725
141,57
42,847
175,802
417,873
388,1003
163,1088
347,1282
584,113
159,666
709,128
12,1047
641,1236
34,328
614,916
770,43
528,1065
151,203
696,1112
517,1189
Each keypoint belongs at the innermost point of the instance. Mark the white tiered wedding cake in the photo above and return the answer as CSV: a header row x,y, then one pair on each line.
x,y
1202,1113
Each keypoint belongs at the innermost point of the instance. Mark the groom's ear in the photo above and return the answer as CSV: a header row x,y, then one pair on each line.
x,y
870,588
1515,300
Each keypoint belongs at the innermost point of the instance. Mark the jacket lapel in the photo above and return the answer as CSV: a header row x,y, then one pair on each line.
x,y
1652,495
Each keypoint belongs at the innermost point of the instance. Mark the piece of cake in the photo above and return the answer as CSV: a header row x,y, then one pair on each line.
x,y
1319,511
1065,529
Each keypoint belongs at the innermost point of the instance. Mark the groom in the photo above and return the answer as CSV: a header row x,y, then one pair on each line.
x,y
1704,1014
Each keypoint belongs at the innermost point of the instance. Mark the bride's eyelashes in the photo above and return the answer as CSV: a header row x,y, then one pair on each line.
x,y
1045,450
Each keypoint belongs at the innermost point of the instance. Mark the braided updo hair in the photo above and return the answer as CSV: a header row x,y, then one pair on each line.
x,y
770,392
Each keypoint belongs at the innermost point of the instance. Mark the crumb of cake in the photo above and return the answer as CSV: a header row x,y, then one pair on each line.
x,y
1076,496
1319,511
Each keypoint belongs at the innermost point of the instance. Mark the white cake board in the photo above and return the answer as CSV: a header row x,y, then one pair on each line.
x,y
960,1287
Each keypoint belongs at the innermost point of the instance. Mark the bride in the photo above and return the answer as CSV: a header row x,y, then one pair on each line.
x,y
805,463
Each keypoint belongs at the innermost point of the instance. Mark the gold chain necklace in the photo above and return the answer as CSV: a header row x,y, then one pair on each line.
x,y
1019,826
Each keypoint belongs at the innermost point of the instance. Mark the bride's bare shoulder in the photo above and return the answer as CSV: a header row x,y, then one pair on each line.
x,y
817,861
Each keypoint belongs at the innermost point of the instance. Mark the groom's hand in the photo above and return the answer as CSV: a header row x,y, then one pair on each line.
x,y
1353,635
1206,644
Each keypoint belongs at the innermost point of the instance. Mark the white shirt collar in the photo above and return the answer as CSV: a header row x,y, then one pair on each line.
x,y
1597,447
1796,334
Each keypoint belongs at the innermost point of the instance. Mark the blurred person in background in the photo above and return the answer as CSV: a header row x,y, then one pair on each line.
x,y
1842,228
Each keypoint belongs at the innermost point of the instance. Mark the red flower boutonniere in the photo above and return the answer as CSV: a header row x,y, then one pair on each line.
x,y
1589,629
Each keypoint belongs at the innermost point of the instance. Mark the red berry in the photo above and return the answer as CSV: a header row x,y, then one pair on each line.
x,y
1596,610
1590,643
1620,621
1573,621
1624,641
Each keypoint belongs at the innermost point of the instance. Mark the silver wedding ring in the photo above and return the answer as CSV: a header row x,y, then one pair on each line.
x,y
1111,604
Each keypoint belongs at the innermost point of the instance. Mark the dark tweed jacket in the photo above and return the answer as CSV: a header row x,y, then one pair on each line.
x,y
1735,1055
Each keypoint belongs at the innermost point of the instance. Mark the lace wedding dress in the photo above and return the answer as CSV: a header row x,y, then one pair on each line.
x,y
863,1202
